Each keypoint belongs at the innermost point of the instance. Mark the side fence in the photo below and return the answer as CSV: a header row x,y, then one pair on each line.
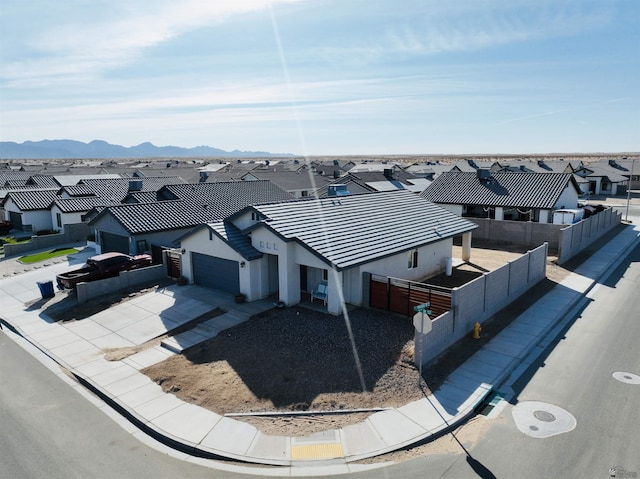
x,y
478,300
86,291
73,233
578,236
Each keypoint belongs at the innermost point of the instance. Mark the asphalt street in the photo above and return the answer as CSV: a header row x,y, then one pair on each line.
x,y
52,430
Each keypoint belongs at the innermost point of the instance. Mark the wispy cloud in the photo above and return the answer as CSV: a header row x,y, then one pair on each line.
x,y
89,48
476,26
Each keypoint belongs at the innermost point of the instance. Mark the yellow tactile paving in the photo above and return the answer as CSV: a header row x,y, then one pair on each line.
x,y
316,451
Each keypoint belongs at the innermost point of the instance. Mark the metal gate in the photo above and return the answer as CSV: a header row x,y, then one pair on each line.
x,y
216,273
400,295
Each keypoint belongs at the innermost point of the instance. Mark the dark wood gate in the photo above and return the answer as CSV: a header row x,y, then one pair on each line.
x,y
173,264
400,296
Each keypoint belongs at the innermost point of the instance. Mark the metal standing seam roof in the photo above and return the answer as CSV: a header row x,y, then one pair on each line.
x,y
350,230
33,199
525,190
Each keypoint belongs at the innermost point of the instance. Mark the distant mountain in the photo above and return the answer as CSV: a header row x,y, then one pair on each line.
x,y
49,149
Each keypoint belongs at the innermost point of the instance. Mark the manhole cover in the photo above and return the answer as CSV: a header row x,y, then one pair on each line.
x,y
625,377
544,416
539,419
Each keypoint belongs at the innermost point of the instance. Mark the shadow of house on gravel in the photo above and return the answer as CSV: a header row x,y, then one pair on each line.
x,y
291,356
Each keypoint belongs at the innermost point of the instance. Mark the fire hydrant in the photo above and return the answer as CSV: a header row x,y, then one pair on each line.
x,y
476,331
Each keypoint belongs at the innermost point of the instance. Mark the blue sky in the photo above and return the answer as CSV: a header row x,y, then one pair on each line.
x,y
315,77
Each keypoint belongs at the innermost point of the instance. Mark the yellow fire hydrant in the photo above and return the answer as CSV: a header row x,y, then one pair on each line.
x,y
476,331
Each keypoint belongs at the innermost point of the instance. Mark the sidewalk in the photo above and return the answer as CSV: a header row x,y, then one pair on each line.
x,y
78,346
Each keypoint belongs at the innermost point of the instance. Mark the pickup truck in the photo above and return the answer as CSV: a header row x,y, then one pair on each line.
x,y
106,265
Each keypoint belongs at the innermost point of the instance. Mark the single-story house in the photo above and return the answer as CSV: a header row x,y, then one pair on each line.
x,y
29,210
142,227
504,195
287,248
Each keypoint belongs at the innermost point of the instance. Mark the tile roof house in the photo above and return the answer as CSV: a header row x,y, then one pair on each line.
x,y
138,227
299,183
507,195
287,248
29,210
603,179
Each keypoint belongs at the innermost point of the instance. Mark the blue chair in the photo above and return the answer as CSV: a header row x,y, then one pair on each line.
x,y
320,292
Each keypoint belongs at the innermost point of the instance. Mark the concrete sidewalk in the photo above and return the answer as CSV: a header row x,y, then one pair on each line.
x,y
79,346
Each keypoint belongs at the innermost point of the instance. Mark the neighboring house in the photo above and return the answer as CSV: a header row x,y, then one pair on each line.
x,y
285,249
367,182
72,210
299,183
141,227
29,210
504,196
603,179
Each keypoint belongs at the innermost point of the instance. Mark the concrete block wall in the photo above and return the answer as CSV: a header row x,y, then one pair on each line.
x,y
527,233
576,237
87,291
478,300
72,234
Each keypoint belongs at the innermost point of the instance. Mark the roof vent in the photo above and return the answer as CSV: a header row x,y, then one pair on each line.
x,y
388,173
135,185
203,176
483,174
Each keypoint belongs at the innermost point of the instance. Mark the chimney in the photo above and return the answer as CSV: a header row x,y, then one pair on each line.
x,y
388,173
203,176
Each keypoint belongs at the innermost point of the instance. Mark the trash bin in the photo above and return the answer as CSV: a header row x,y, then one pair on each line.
x,y
46,289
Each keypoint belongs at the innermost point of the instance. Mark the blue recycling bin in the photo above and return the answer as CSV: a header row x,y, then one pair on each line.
x,y
46,289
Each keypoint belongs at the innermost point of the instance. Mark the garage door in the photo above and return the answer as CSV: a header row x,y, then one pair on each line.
x,y
216,273
118,243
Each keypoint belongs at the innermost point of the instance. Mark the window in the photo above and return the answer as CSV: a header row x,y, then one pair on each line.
x,y
412,259
325,275
59,220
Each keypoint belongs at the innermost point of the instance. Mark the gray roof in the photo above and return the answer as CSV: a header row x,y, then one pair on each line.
x,y
33,199
75,205
291,180
234,238
348,231
531,190
198,204
115,189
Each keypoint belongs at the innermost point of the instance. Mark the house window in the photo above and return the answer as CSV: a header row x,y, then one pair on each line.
x,y
305,193
325,275
59,220
412,259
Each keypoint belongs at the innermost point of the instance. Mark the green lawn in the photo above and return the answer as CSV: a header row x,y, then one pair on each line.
x,y
45,255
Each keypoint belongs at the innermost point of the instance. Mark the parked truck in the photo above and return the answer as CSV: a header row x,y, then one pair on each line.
x,y
106,265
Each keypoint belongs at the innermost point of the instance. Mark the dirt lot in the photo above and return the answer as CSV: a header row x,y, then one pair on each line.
x,y
293,360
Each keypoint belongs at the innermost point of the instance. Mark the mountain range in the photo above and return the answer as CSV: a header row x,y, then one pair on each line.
x,y
71,149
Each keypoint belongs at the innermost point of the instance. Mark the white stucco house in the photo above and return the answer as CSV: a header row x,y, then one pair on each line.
x,y
516,196
286,249
30,210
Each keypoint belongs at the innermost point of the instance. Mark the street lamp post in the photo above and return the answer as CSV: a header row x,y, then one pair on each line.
x,y
626,217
